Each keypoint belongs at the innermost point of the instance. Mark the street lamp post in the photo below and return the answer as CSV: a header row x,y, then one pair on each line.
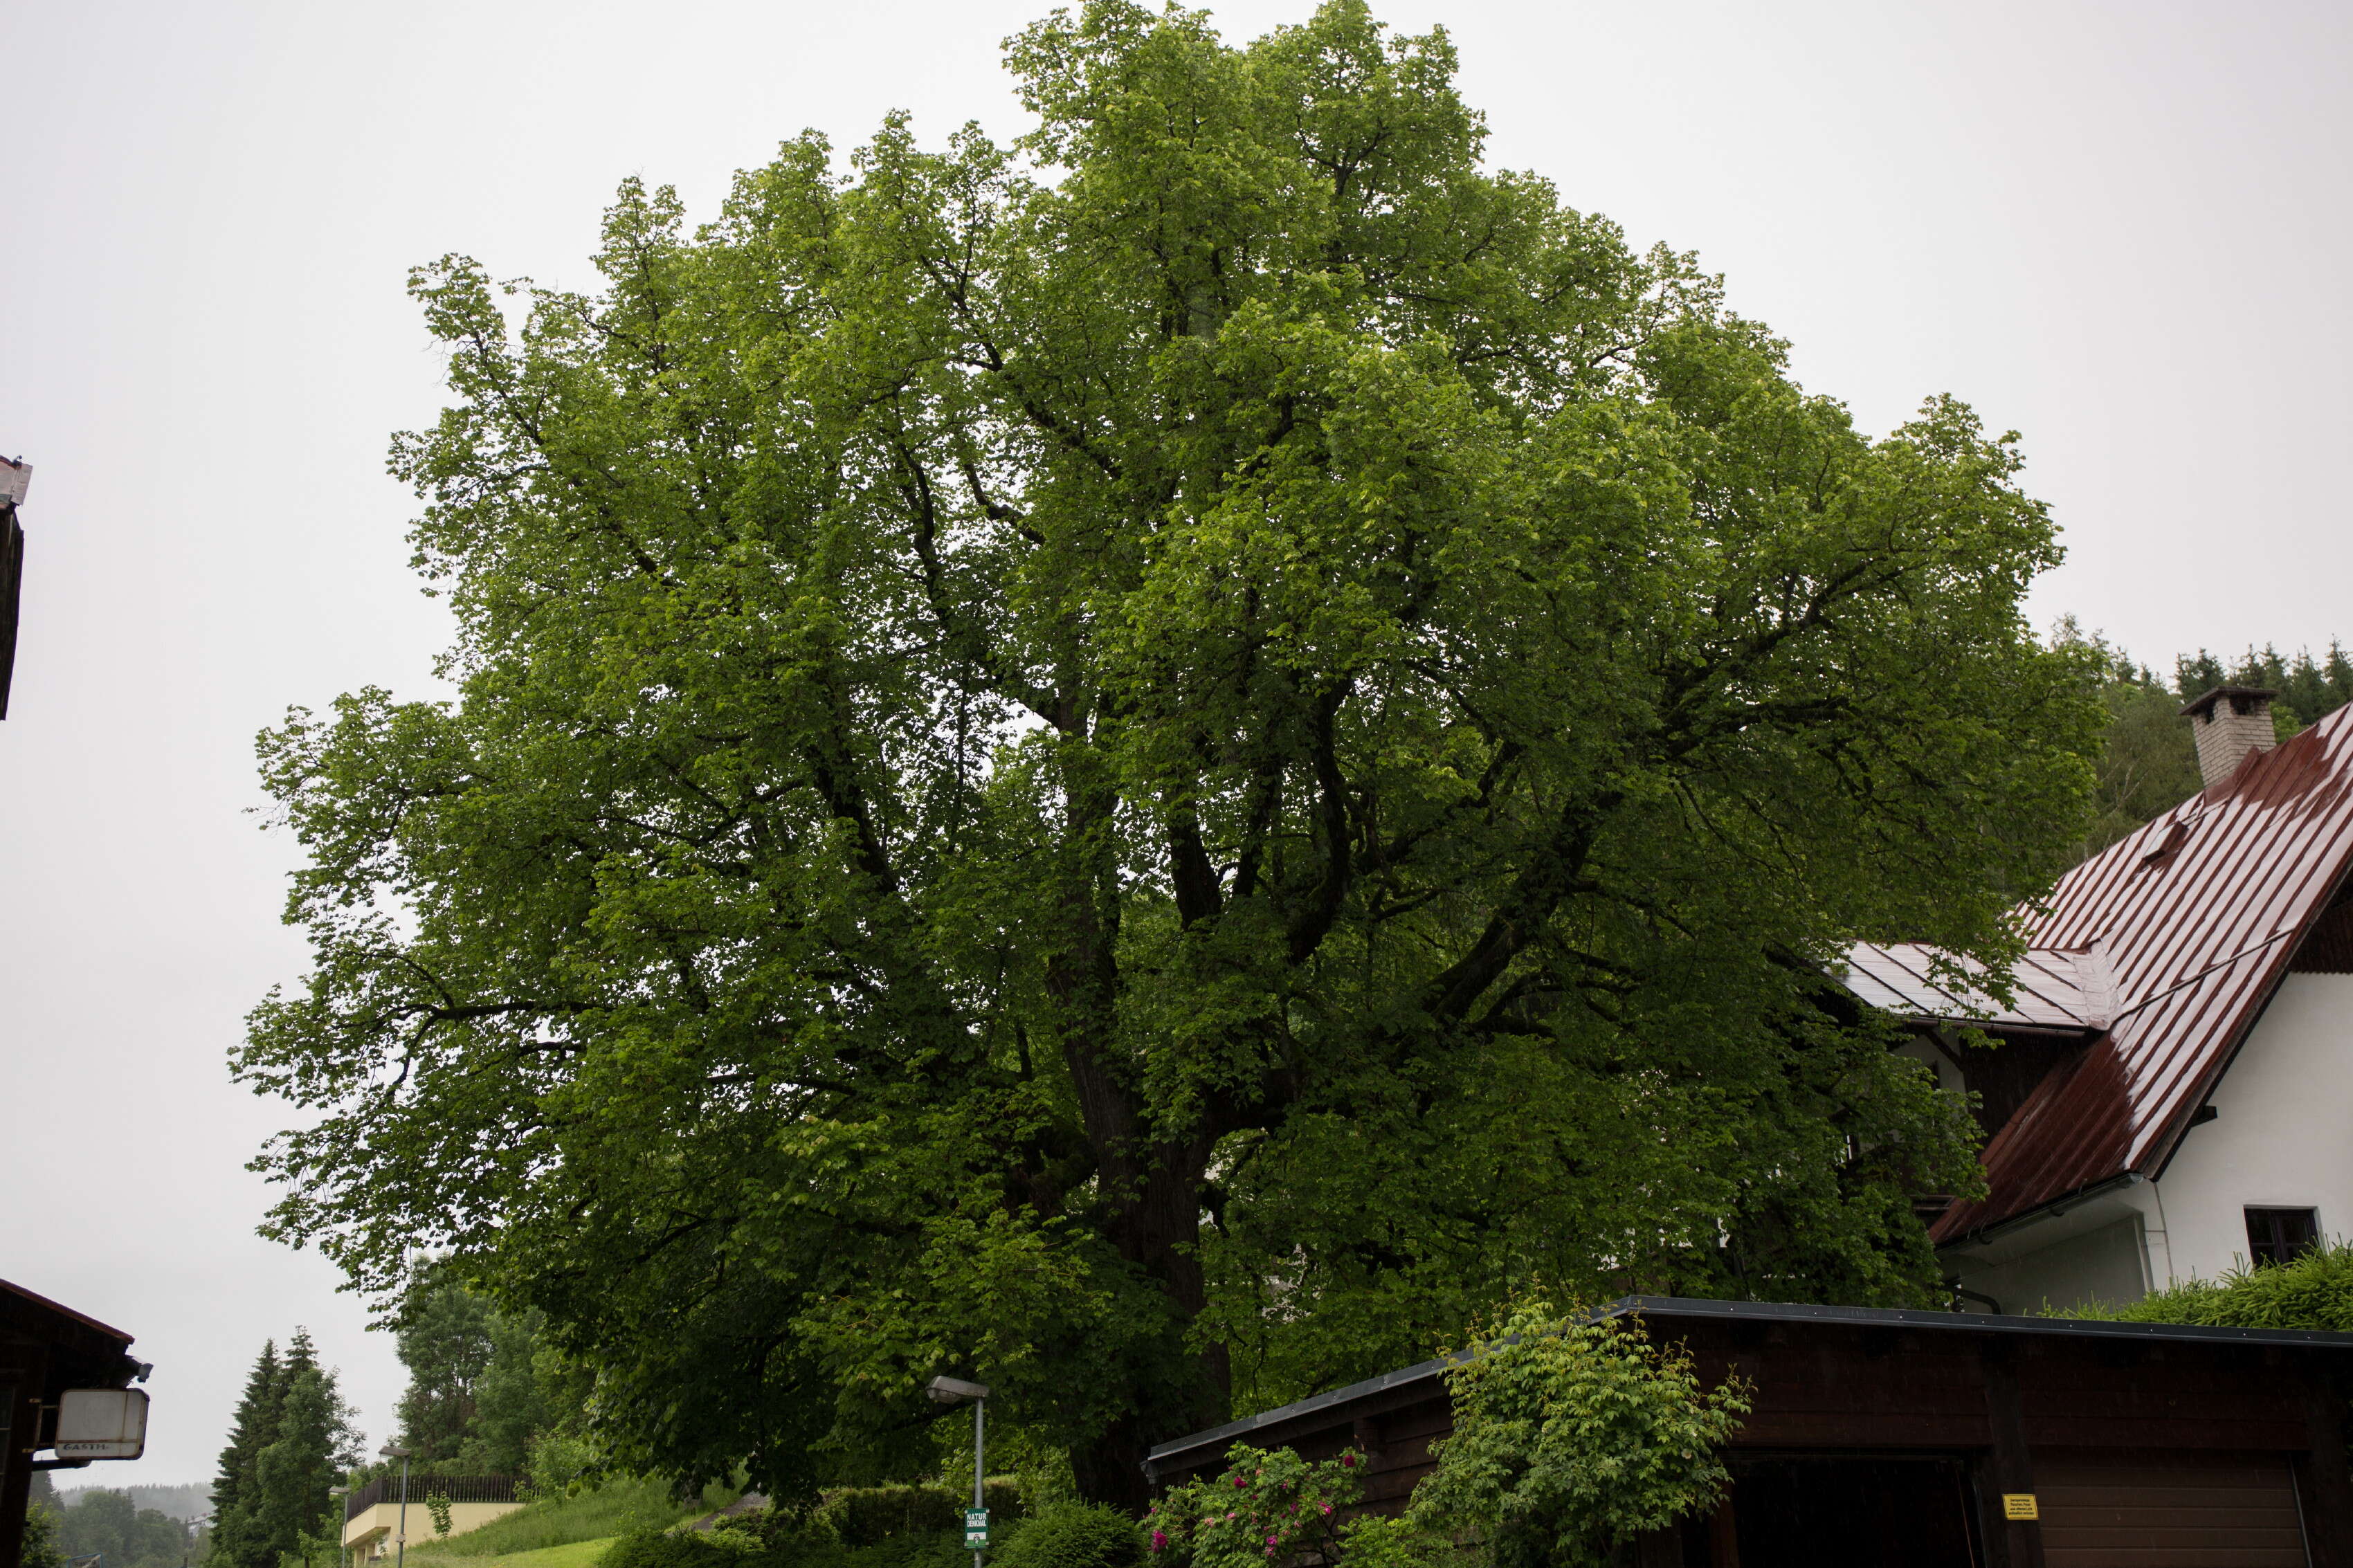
x,y
947,1391
337,1525
391,1452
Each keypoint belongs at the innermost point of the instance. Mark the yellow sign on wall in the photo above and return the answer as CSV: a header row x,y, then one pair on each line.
x,y
2020,1505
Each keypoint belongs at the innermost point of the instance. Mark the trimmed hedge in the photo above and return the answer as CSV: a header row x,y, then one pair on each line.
x,y
854,1527
868,1516
2313,1291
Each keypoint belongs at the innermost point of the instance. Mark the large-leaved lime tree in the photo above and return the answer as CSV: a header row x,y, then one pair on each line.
x,y
1146,765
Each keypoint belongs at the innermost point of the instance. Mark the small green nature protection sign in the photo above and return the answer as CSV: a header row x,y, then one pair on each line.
x,y
976,1528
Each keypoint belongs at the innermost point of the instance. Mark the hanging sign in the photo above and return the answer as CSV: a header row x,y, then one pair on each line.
x,y
102,1423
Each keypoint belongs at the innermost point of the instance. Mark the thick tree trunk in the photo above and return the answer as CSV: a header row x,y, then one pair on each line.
x,y
1151,1188
1157,1230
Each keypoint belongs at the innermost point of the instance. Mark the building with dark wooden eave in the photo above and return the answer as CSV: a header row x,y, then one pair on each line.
x,y
1906,1439
44,1350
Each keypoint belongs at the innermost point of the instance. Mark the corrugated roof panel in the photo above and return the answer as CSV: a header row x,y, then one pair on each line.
x,y
2049,988
2173,939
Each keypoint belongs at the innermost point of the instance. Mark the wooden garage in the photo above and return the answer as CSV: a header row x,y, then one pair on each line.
x,y
1909,1438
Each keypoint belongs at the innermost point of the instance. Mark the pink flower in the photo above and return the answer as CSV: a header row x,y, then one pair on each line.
x,y
1159,1541
1348,1461
1239,1483
1328,1510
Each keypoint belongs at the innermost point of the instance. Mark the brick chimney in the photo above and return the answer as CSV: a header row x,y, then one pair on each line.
x,y
2229,722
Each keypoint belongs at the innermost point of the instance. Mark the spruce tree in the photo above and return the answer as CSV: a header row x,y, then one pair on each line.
x,y
314,1442
235,1490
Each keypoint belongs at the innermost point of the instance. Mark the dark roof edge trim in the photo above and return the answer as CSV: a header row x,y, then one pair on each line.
x,y
2049,1208
1772,1312
44,1304
1404,1377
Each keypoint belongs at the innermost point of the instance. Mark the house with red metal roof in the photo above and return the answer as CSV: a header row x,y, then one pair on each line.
x,y
2170,1091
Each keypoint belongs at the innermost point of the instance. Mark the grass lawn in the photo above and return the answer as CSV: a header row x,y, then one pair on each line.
x,y
529,1534
571,1554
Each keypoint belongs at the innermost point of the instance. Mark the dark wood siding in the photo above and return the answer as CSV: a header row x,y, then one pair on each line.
x,y
2135,1509
2328,948
2234,1445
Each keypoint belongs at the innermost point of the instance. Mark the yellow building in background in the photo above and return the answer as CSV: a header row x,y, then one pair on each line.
x,y
371,1526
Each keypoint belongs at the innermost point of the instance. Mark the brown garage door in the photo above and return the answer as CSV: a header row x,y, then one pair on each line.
x,y
2126,1510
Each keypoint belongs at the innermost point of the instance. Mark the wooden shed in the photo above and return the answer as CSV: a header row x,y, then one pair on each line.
x,y
1884,1437
44,1350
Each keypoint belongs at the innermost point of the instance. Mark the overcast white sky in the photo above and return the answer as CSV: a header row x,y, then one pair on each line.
x,y
2118,228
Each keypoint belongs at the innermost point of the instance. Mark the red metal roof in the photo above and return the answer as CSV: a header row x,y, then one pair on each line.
x,y
2191,923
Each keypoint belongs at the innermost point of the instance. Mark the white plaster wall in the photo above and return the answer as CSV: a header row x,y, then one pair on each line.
x,y
2284,1138
1949,1077
2103,1266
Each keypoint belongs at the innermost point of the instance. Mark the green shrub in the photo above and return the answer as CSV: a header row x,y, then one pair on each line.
x,y
1073,1535
929,1548
1570,1438
1268,1505
666,1549
2315,1291
867,1516
863,1527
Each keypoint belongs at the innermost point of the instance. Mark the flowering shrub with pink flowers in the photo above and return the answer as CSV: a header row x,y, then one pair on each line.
x,y
1270,1507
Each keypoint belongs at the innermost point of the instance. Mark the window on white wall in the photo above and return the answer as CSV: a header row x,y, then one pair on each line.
x,y
2281,1236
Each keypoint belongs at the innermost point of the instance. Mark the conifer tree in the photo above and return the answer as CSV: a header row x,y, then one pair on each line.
x,y
236,1488
314,1443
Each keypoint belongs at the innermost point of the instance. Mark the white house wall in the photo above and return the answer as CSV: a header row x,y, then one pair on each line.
x,y
2103,1266
2284,1137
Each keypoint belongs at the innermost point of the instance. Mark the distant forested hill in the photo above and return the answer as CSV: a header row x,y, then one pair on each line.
x,y
184,1503
2149,764
125,1527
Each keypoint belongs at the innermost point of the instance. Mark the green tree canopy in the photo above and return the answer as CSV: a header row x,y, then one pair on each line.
x,y
479,1394
1146,763
105,1521
2148,762
446,1341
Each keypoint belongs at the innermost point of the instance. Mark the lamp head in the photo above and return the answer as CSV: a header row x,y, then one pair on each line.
x,y
948,1390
